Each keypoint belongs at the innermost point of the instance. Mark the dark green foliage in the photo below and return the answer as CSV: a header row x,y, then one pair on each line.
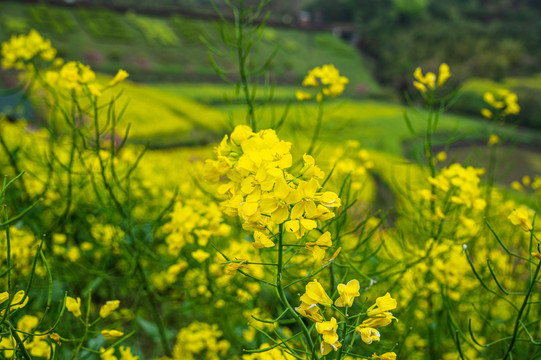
x,y
51,19
103,24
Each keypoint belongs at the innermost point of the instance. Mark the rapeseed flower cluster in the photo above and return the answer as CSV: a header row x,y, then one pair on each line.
x,y
35,342
272,354
200,340
527,184
328,81
520,217
23,246
430,81
259,189
19,51
503,102
378,315
459,185
125,354
193,221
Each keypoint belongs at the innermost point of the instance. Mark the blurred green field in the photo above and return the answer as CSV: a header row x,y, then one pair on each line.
x,y
157,48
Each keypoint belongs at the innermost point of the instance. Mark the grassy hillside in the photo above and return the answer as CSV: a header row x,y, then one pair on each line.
x,y
157,48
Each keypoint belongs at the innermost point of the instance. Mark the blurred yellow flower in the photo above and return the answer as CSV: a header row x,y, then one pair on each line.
x,y
520,217
119,77
493,139
327,78
428,81
200,255
108,308
74,306
112,333
302,95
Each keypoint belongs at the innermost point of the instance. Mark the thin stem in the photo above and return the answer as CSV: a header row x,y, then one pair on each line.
x,y
281,293
20,343
344,327
155,310
241,58
521,311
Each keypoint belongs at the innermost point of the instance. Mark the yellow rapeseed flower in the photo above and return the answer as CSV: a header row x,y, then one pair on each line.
x,y
74,306
108,308
302,95
120,76
430,80
330,338
112,334
383,304
386,356
493,139
200,255
327,78
348,292
368,335
261,240
315,294
520,217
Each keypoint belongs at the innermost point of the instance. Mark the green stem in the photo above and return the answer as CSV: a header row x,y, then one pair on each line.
x,y
20,343
281,293
344,328
85,324
241,57
521,311
155,310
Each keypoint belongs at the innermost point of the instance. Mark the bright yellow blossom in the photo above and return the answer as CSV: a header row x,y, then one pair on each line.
x,y
368,335
520,217
315,294
347,292
330,338
383,304
319,247
261,240
310,311
386,356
